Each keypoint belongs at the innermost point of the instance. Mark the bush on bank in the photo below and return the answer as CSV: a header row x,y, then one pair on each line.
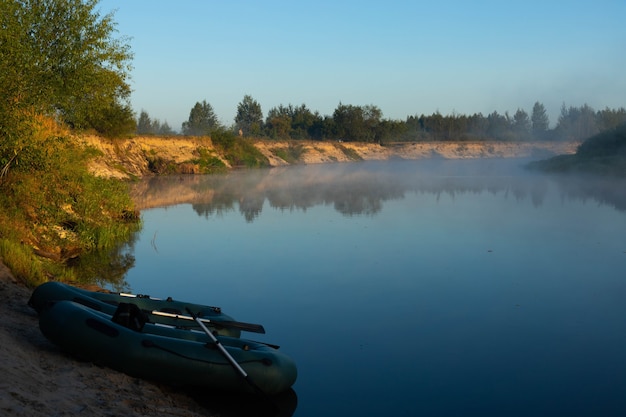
x,y
53,210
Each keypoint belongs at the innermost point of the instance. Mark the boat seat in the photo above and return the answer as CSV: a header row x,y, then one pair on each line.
x,y
130,315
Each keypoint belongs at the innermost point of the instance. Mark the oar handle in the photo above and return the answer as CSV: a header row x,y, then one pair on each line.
x,y
227,355
219,345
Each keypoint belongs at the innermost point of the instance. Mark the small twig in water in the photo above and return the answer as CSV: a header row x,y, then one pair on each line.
x,y
153,242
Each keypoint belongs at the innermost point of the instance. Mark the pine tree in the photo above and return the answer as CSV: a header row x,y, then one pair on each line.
x,y
144,124
202,120
249,117
539,121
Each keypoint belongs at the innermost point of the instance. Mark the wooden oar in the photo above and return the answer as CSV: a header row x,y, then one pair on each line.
x,y
227,355
248,327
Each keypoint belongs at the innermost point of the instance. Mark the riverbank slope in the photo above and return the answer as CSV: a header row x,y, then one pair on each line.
x,y
134,158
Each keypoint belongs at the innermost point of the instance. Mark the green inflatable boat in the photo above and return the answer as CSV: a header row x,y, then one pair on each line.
x,y
168,311
166,358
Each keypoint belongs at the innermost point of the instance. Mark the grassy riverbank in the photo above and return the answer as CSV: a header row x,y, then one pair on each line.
x,y
54,211
602,154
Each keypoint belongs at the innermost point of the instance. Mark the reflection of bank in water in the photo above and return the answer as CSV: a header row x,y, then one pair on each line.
x,y
603,190
361,188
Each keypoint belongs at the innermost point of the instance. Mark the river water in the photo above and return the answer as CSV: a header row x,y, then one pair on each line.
x,y
434,287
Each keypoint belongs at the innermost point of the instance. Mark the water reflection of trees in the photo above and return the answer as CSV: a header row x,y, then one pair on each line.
x,y
605,191
360,189
350,192
107,268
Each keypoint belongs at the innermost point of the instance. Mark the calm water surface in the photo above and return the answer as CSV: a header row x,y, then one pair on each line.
x,y
434,288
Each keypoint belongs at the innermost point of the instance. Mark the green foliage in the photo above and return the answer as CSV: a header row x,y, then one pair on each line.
x,y
113,121
161,166
603,154
202,120
223,138
60,66
209,163
611,118
608,143
243,153
539,121
144,123
366,124
289,122
163,129
249,118
521,125
238,151
148,126
278,124
22,262
356,123
577,123
56,209
291,154
67,197
303,122
59,59
350,153
246,154
389,131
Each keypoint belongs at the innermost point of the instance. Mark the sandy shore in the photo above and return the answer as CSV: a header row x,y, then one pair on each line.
x,y
39,380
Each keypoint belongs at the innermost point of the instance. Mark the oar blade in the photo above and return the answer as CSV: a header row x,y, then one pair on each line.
x,y
248,327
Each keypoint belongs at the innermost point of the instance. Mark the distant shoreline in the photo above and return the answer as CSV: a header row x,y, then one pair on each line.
x,y
128,158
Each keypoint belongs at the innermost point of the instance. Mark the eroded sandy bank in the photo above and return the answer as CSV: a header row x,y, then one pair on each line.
x,y
131,157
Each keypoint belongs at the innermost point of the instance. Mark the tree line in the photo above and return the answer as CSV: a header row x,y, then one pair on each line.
x,y
367,124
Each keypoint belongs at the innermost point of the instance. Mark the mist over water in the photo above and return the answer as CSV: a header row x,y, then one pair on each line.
x,y
362,188
408,288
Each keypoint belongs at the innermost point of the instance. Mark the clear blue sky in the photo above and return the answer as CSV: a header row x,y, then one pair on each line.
x,y
406,57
